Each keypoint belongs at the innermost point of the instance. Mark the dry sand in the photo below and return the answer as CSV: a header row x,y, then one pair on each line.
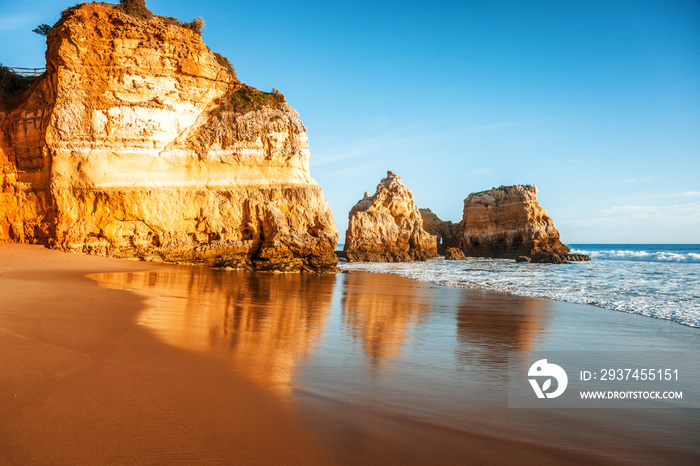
x,y
191,366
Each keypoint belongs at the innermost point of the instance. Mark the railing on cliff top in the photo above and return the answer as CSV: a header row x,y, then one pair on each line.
x,y
26,71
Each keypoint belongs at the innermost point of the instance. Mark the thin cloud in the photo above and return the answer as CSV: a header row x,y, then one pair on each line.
x,y
638,180
348,170
655,213
494,126
403,136
687,194
354,151
351,153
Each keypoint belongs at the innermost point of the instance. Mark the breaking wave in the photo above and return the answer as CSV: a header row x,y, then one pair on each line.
x,y
660,281
644,256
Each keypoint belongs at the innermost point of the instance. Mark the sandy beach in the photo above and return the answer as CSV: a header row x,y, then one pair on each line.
x,y
107,361
82,383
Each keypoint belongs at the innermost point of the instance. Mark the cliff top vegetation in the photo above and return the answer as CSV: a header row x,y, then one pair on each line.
x,y
246,99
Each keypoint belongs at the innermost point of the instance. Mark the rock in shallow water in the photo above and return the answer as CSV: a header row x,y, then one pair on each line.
x,y
454,254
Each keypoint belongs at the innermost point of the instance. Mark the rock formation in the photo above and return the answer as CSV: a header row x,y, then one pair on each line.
x,y
430,220
388,226
508,222
138,141
448,234
454,254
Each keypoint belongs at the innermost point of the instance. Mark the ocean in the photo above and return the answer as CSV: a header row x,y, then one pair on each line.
x,y
655,280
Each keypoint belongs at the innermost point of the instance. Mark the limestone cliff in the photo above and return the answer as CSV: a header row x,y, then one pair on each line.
x,y
447,234
388,226
138,141
508,222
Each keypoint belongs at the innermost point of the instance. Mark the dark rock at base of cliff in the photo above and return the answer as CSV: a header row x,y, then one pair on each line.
x,y
552,258
548,258
577,258
455,254
399,256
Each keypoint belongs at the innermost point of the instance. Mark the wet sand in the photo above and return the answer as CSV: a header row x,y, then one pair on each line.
x,y
172,364
82,383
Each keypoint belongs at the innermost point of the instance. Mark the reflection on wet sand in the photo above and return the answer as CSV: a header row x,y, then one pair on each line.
x,y
381,316
120,396
490,325
266,324
406,372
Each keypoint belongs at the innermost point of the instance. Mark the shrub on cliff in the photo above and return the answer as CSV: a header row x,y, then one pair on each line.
x,y
246,99
42,29
135,8
196,25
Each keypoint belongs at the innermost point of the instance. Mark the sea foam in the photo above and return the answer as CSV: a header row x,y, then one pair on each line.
x,y
661,284
645,256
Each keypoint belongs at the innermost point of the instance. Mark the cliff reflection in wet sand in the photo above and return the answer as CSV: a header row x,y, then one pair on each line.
x,y
381,316
386,330
489,325
266,324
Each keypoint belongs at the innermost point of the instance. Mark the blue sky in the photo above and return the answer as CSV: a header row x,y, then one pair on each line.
x,y
597,103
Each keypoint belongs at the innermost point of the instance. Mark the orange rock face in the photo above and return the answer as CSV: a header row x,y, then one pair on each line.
x,y
388,226
508,222
447,234
138,141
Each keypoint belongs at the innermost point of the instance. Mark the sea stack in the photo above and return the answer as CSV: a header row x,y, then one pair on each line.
x,y
387,227
509,222
138,141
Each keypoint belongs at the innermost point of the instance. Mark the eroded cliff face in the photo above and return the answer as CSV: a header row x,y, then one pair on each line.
x,y
447,234
508,222
26,208
387,227
138,141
